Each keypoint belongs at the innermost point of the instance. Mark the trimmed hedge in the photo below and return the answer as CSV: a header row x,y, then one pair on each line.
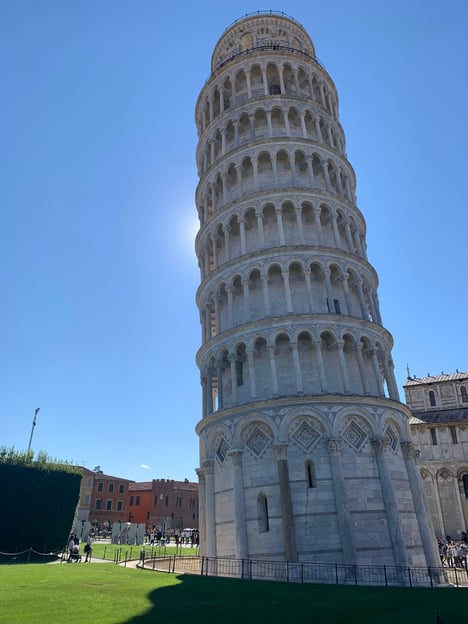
x,y
38,501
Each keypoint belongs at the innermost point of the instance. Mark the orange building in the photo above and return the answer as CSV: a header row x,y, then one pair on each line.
x,y
109,500
164,504
139,502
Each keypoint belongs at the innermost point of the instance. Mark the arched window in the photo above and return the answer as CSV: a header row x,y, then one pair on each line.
x,y
310,474
464,394
262,513
465,484
432,400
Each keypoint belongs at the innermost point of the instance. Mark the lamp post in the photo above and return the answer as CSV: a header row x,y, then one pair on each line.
x,y
36,411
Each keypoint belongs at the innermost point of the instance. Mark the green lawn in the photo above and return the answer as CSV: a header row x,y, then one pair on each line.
x,y
107,551
110,594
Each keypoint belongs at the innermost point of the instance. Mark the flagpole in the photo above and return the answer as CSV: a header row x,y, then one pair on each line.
x,y
36,411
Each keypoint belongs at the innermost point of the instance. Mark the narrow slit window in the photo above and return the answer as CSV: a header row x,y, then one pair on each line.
x,y
310,474
432,400
453,434
262,513
433,436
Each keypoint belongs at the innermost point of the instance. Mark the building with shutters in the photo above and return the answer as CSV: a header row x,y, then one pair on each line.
x,y
439,427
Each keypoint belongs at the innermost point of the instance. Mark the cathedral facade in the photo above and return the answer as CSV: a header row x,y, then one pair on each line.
x,y
439,427
305,448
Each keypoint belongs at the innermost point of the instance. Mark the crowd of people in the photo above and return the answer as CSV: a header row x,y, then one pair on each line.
x,y
453,554
73,549
157,538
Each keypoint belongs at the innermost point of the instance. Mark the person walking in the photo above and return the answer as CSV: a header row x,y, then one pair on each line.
x,y
88,549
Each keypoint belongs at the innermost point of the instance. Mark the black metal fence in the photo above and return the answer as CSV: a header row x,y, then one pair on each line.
x,y
28,556
328,573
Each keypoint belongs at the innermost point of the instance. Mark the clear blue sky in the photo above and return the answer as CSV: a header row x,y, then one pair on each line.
x,y
98,321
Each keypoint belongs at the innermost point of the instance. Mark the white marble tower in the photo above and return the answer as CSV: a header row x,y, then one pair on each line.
x,y
305,451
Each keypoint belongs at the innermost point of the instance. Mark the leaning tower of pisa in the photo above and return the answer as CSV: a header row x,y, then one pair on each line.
x,y
305,452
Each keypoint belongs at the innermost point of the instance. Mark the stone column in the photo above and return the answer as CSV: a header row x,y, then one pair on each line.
x,y
252,127
287,515
242,235
336,233
389,379
461,515
370,299
219,377
326,175
318,224
322,96
328,286
303,125
212,151
318,130
210,519
279,220
246,291
255,174
286,123
347,298
214,247
349,238
343,368
362,370
376,369
297,368
287,292
266,299
310,299
223,142
420,507
400,556
252,382
236,133
300,228
345,525
249,86
203,382
209,391
296,81
310,169
270,127
362,301
274,376
227,243
201,517
357,242
439,506
229,290
221,100
320,365
283,90
232,361
391,372
261,234
240,523
216,299
338,181
265,81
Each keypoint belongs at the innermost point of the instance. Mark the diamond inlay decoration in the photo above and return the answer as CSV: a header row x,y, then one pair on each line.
x,y
221,450
257,441
306,436
354,435
392,439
